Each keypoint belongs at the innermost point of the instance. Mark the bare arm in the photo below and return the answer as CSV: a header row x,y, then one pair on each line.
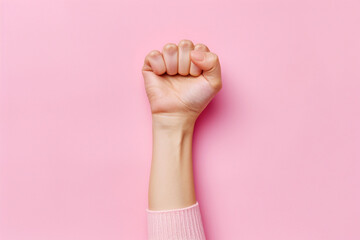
x,y
179,84
171,179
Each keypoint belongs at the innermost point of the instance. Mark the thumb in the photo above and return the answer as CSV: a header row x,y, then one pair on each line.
x,y
209,63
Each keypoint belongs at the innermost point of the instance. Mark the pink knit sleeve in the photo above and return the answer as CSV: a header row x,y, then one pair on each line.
x,y
179,224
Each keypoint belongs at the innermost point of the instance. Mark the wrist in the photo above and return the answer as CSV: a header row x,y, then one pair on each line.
x,y
170,122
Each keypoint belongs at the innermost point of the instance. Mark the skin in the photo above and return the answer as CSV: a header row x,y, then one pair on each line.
x,y
180,81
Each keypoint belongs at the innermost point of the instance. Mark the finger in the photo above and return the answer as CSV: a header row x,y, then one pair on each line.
x,y
195,70
170,54
185,47
209,63
154,61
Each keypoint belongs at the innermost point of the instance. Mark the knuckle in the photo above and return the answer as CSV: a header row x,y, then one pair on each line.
x,y
186,43
170,47
201,46
215,57
153,53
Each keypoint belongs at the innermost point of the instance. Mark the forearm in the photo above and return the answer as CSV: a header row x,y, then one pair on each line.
x,y
171,178
180,81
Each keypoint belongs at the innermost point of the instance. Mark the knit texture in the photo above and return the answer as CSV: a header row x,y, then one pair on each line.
x,y
176,224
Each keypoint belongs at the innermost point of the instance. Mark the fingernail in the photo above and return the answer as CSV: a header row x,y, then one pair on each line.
x,y
197,55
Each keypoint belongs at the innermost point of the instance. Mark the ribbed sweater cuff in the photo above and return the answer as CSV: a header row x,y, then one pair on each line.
x,y
176,224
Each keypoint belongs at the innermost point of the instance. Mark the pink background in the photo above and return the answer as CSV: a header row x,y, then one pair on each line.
x,y
276,154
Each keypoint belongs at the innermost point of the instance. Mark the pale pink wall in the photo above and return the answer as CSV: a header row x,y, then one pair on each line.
x,y
276,154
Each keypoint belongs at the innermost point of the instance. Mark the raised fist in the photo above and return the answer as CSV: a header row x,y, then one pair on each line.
x,y
182,79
